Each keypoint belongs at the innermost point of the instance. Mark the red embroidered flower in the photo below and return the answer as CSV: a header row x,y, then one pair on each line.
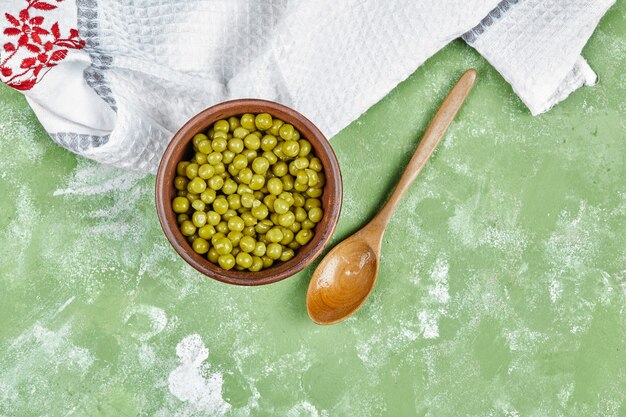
x,y
45,47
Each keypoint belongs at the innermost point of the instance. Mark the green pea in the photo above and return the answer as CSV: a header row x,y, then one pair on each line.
x,y
280,169
274,250
240,162
275,129
235,237
288,182
257,133
244,188
206,171
275,186
267,261
223,246
294,245
247,243
199,137
286,131
233,123
180,205
199,218
286,255
271,157
214,158
274,235
314,192
247,121
260,165
263,121
258,195
213,218
219,144
288,236
300,187
268,142
201,158
301,163
288,197
220,169
249,231
241,132
213,255
228,156
304,236
205,147
196,185
281,206
181,168
216,237
305,147
257,264
257,181
229,187
322,180
181,193
187,228
274,218
316,214
301,177
312,202
263,226
244,259
291,148
259,249
234,201
247,199
206,232
181,218
300,214
191,171
220,205
260,211
222,227
268,200
278,151
229,213
236,224
252,142
216,183
180,183
307,224
315,164
287,219
221,125
245,176
248,219
295,227
191,196
235,145
313,178
200,246
226,261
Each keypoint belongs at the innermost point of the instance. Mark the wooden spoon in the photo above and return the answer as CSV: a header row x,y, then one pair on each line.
x,y
344,279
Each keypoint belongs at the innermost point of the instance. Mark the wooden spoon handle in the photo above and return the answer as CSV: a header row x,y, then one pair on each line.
x,y
435,131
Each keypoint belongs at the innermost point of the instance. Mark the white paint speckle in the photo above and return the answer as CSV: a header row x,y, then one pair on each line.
x,y
193,383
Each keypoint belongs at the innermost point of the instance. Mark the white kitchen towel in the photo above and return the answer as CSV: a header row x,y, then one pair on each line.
x,y
113,80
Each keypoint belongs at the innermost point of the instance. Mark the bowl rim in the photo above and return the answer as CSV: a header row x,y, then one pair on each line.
x,y
227,109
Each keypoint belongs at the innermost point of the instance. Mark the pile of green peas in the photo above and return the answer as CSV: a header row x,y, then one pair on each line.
x,y
249,196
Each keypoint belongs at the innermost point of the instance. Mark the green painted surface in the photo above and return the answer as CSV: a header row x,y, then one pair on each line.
x,y
501,289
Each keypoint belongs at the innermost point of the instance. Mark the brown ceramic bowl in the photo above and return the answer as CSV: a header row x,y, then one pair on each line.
x,y
180,148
